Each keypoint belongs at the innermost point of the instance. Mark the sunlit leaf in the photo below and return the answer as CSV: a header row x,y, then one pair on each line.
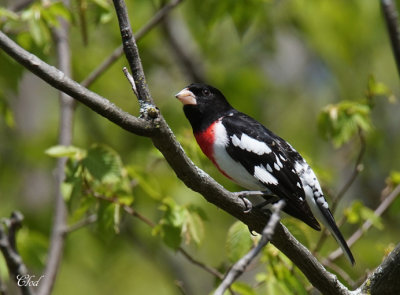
x,y
340,122
70,151
243,289
358,213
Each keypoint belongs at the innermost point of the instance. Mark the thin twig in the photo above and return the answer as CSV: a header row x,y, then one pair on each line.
x,y
392,24
15,264
358,167
131,81
367,224
208,269
117,53
179,285
134,213
132,54
80,224
341,272
240,267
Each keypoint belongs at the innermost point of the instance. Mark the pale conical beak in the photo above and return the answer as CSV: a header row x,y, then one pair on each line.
x,y
186,97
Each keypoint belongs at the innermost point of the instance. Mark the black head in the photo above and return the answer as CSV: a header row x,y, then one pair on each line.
x,y
203,104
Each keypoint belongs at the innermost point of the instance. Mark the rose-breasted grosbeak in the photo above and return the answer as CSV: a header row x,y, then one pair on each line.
x,y
255,158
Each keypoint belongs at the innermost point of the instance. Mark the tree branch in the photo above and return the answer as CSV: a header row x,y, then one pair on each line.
x,y
60,81
240,266
193,177
61,36
391,18
14,261
367,224
385,279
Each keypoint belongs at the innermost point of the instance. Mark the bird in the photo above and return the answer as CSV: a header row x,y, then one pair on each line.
x,y
256,159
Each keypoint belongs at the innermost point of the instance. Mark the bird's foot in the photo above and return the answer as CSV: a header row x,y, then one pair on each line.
x,y
269,198
247,203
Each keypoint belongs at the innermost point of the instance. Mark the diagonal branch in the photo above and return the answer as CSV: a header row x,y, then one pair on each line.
x,y
240,266
384,280
392,24
60,81
367,224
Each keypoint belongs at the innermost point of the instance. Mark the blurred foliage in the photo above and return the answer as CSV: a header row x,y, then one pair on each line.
x,y
297,66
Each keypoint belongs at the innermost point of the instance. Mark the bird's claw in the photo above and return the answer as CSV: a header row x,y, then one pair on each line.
x,y
247,203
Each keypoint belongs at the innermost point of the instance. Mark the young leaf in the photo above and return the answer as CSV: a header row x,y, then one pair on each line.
x,y
243,289
103,163
170,225
342,121
59,151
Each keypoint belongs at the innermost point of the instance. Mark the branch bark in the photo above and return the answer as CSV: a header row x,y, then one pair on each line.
x,y
158,130
385,279
60,81
15,265
240,266
392,24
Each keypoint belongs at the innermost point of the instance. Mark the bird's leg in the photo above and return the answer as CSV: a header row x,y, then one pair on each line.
x,y
269,199
243,195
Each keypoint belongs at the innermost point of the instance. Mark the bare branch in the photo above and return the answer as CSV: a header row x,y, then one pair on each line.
x,y
117,53
14,261
80,224
367,224
392,24
132,54
207,268
239,267
60,81
356,171
385,279
131,81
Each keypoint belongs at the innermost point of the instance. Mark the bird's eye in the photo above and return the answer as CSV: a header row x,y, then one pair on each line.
x,y
206,92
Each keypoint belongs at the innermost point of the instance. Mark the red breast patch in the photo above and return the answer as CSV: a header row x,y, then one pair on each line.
x,y
206,140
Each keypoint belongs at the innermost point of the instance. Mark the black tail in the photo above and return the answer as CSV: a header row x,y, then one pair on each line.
x,y
330,223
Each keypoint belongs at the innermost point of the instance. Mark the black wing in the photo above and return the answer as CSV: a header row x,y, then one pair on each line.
x,y
279,162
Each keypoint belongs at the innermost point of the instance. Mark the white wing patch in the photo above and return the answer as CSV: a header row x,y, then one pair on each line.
x,y
264,176
232,168
250,144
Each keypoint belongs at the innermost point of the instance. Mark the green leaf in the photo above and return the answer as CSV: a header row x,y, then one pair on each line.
x,y
59,151
193,228
378,89
243,289
170,225
342,121
358,213
103,163
238,241
394,178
